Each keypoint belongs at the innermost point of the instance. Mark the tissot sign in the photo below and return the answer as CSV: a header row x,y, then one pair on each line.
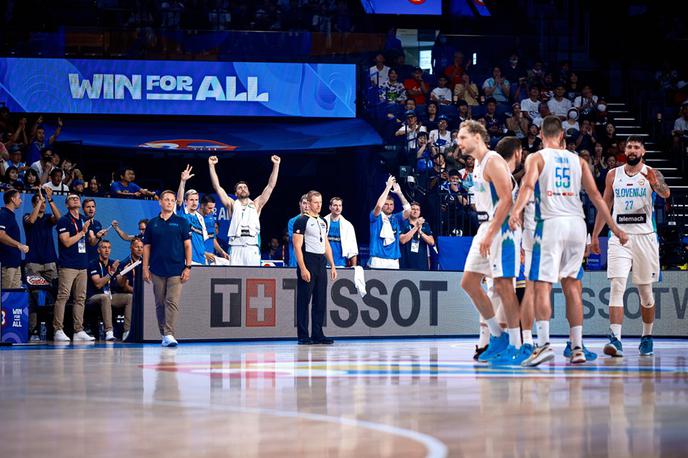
x,y
228,302
178,87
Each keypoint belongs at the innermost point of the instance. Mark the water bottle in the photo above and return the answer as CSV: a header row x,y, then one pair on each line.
x,y
44,331
101,331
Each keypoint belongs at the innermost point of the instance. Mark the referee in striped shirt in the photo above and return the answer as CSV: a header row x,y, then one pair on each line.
x,y
312,250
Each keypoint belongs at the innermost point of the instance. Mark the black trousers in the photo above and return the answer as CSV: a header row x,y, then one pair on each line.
x,y
316,289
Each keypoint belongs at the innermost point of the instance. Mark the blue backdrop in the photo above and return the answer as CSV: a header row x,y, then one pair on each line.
x,y
79,86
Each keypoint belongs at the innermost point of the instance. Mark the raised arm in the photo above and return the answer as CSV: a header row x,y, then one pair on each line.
x,y
263,198
30,219
185,176
57,133
124,236
602,209
227,201
396,189
383,197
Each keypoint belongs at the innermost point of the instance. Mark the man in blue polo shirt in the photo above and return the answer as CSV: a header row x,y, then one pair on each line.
x,y
384,228
303,207
11,248
72,232
416,237
187,208
95,230
103,292
167,263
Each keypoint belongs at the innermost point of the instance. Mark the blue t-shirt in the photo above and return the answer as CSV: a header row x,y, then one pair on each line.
x,y
92,250
117,186
9,256
334,236
35,151
290,231
197,242
166,239
39,238
416,259
73,257
377,246
95,267
210,221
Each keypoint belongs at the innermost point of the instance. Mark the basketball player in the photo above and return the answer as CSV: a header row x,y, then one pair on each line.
x,y
556,176
629,191
493,251
244,229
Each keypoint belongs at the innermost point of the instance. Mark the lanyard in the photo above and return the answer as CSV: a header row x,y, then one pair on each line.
x,y
75,221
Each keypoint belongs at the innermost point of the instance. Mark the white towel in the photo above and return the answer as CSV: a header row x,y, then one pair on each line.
x,y
244,217
359,280
201,220
386,232
347,234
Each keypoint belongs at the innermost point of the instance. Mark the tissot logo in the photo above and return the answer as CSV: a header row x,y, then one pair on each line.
x,y
226,298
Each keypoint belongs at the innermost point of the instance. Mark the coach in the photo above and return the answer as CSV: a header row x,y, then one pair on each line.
x,y
167,262
312,250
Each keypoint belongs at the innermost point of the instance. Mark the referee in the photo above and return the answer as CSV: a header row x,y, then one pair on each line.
x,y
312,250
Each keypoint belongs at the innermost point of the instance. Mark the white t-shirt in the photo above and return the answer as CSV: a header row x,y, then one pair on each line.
x,y
442,94
441,141
559,108
530,107
39,168
681,124
60,188
412,135
566,125
377,77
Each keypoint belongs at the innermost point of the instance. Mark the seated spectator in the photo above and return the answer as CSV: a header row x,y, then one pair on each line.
x,y
586,139
573,88
126,237
438,172
410,105
410,130
532,142
31,181
608,137
44,166
416,88
467,91
274,251
585,155
497,86
15,160
531,106
597,160
94,189
570,125
430,117
618,153
464,111
602,115
379,73
102,292
77,187
514,70
536,75
441,94
11,179
559,105
56,183
415,241
126,188
441,137
547,86
543,112
71,173
392,91
521,91
458,218
493,121
456,70
424,153
586,103
517,123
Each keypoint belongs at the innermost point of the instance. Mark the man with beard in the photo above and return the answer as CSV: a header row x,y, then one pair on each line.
x,y
629,191
244,229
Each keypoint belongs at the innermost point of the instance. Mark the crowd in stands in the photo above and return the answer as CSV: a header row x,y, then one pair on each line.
x,y
419,111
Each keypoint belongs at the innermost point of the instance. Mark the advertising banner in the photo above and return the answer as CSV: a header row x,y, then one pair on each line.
x,y
251,303
144,87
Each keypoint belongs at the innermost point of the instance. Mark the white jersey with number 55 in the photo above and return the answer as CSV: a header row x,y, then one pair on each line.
x,y
557,191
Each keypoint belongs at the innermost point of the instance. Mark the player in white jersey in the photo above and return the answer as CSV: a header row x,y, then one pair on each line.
x,y
630,189
244,229
556,177
493,251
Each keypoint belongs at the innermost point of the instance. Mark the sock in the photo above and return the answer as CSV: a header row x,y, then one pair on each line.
x,y
576,334
484,337
495,330
616,330
542,332
515,337
647,329
528,337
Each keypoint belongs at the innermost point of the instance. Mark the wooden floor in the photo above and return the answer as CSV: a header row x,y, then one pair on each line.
x,y
357,398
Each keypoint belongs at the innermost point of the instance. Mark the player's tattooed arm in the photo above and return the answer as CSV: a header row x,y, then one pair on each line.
x,y
658,183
